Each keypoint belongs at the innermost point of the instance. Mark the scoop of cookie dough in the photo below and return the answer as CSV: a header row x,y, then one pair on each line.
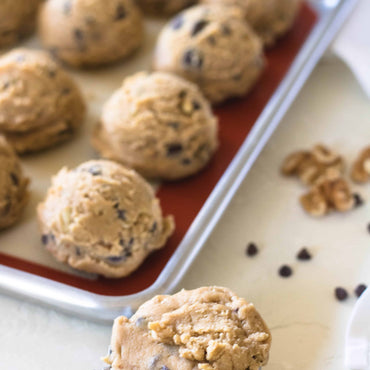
x,y
213,47
206,328
90,33
13,186
159,124
102,218
164,7
269,18
40,105
17,20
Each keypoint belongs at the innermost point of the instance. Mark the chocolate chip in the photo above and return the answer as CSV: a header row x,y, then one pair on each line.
x,y
174,149
358,200
44,239
226,30
211,40
341,294
304,255
115,259
186,161
196,105
154,227
52,73
164,367
174,125
120,12
237,77
95,170
251,250
285,271
78,35
192,58
177,22
360,289
66,91
14,178
78,251
67,7
198,27
121,213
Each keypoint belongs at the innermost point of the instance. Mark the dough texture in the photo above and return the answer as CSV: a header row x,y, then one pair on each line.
x,y
213,47
40,105
159,124
269,18
206,328
90,33
17,20
164,7
102,218
13,186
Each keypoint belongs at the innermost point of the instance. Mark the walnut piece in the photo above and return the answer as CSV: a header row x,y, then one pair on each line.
x,y
313,167
360,171
329,194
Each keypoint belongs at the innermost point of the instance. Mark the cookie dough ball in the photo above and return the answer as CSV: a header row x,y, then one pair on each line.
x,y
160,125
269,18
90,33
164,7
13,186
17,20
213,47
206,328
102,218
40,105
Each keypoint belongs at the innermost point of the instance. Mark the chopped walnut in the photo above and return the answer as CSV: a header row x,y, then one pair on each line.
x,y
313,167
361,168
330,194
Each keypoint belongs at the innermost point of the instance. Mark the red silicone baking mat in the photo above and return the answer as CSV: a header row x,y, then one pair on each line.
x,y
184,199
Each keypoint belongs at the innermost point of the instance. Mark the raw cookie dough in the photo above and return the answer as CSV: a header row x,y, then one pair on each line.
x,y
89,33
164,7
159,124
17,20
102,218
206,328
13,186
269,18
40,105
213,47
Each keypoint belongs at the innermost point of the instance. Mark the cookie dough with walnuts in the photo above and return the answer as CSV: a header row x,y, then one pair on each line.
x,y
40,105
213,47
17,20
206,328
13,186
269,18
102,218
160,125
90,33
164,7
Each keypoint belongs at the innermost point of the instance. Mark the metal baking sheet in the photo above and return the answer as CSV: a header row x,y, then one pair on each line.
x,y
197,203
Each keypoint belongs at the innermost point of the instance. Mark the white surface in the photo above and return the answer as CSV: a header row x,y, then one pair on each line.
x,y
307,323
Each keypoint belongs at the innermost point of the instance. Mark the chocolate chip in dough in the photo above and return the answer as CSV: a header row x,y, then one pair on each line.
x,y
198,27
193,59
120,12
174,149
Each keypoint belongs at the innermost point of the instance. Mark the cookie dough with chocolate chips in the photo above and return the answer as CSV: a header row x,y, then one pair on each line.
x,y
269,18
164,7
40,105
17,20
213,47
90,33
13,186
102,218
209,328
159,124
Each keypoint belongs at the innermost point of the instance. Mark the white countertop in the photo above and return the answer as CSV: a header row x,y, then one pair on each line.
x,y
307,323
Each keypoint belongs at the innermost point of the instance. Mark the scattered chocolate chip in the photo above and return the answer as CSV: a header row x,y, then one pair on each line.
x,y
121,214
285,271
67,7
177,22
211,40
304,255
44,239
251,250
78,35
174,125
115,259
360,289
120,12
78,251
14,178
193,59
196,105
66,91
358,200
154,227
52,73
174,149
226,30
95,170
341,294
198,27
186,161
